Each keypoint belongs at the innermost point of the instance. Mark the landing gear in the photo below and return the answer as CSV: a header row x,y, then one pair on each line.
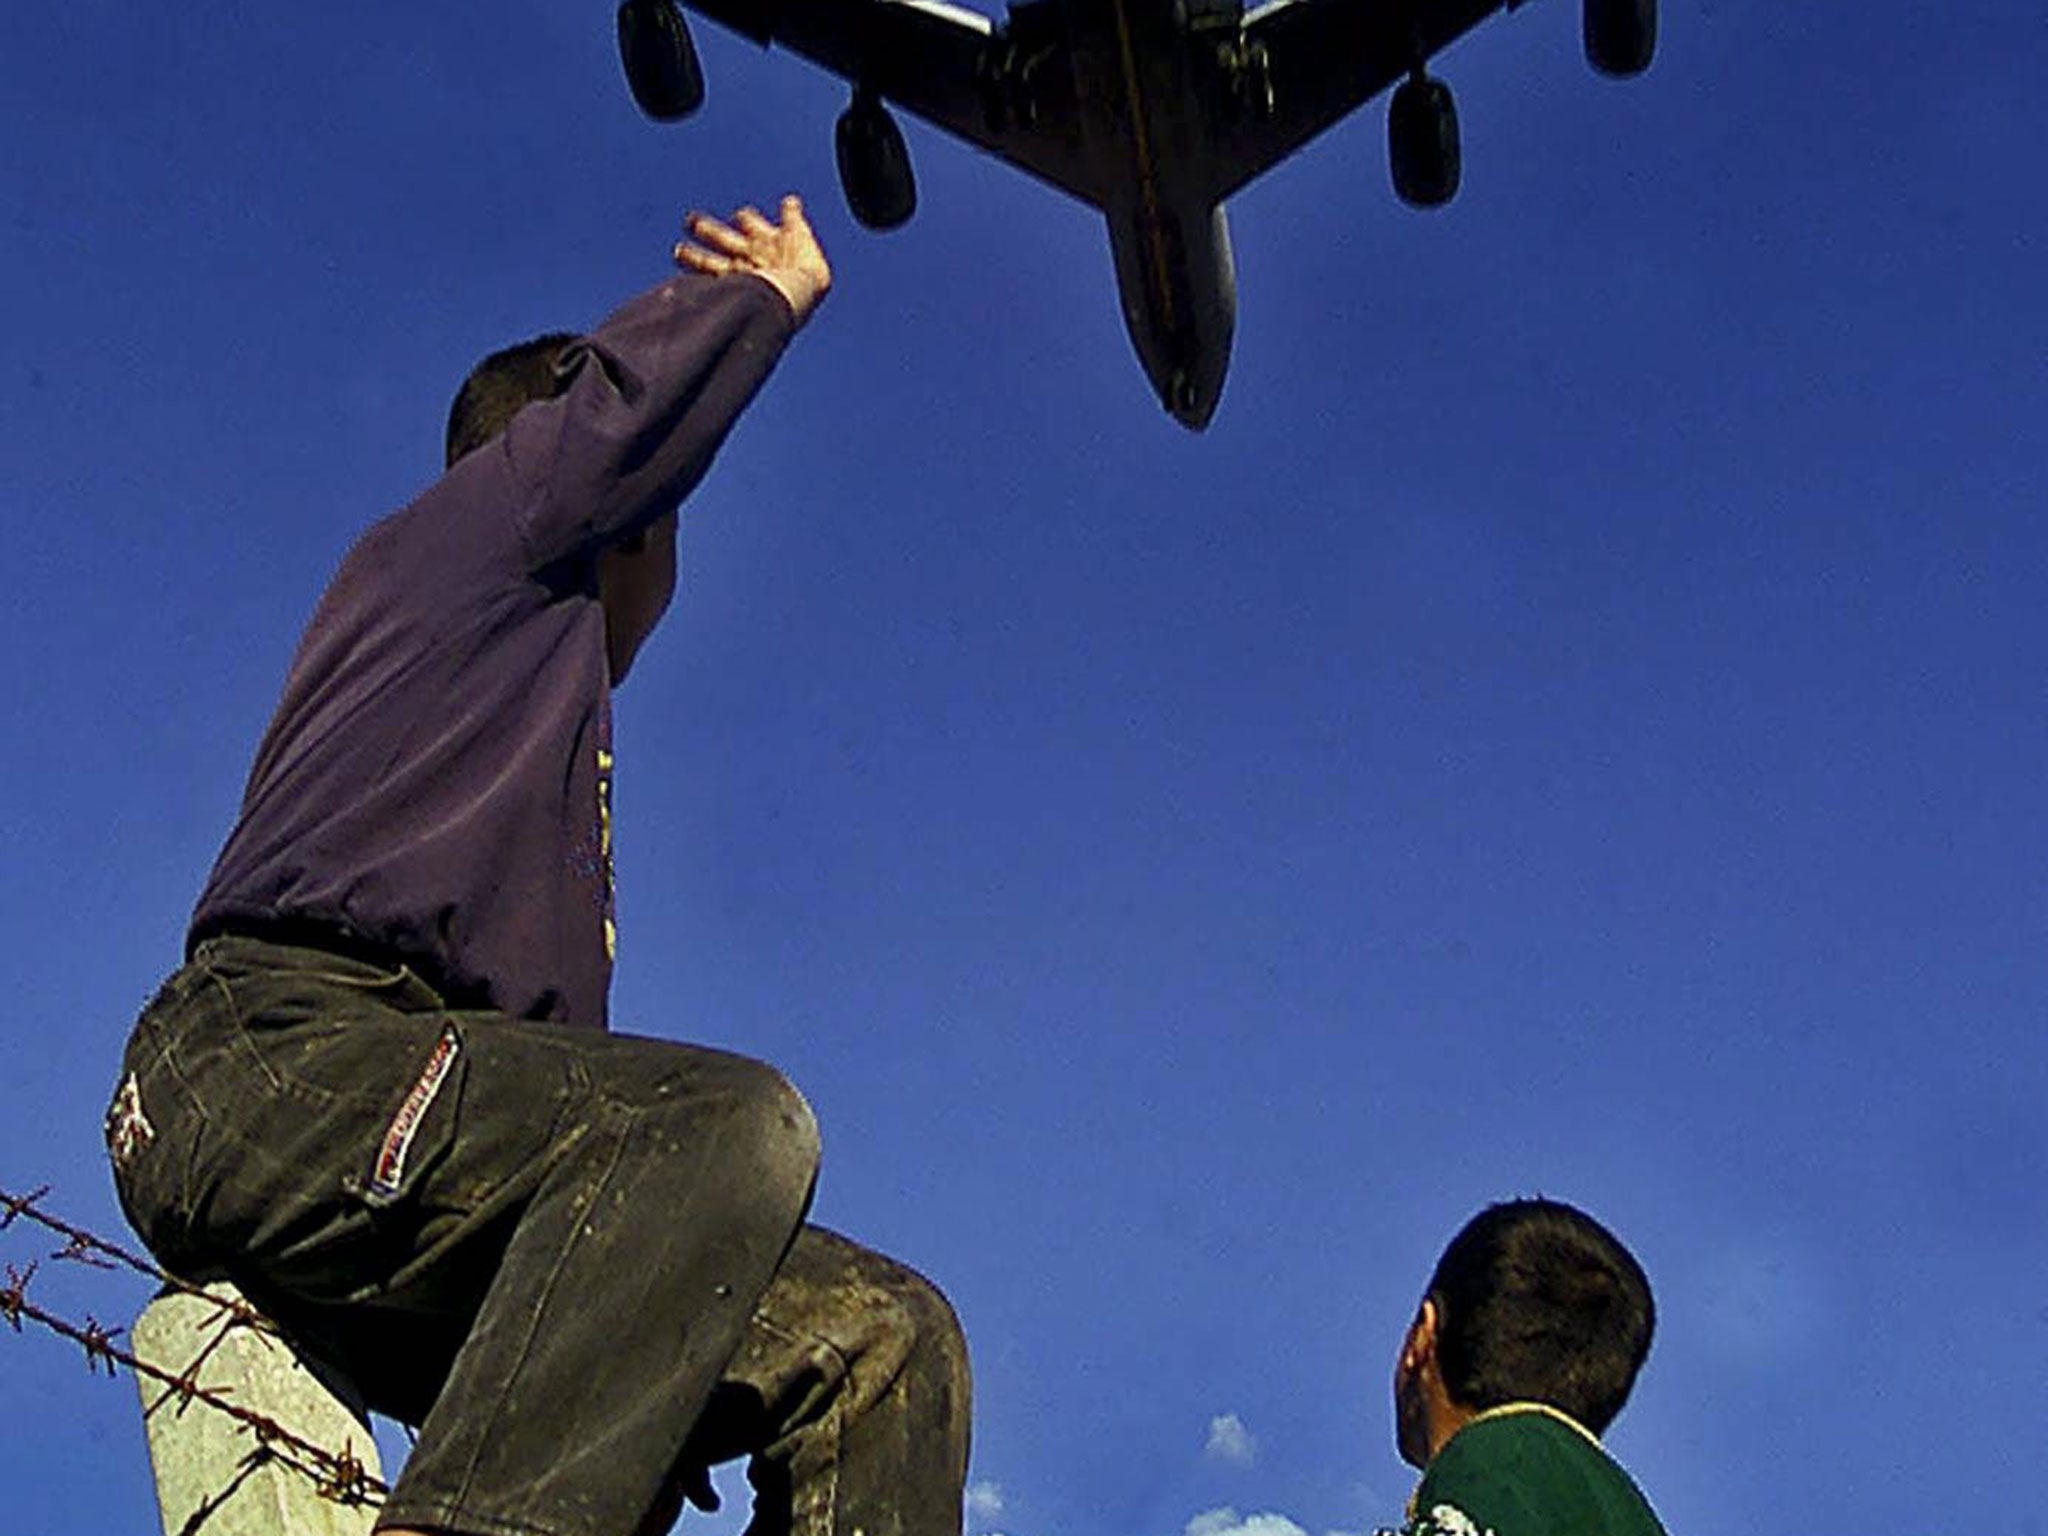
x,y
660,60
1248,68
1422,141
1621,35
874,164
1009,69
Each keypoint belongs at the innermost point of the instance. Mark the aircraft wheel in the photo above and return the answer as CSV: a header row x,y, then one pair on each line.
x,y
1621,35
874,164
660,60
1422,142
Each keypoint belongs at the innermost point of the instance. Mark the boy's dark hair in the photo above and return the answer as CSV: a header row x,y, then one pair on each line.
x,y
502,383
1537,1302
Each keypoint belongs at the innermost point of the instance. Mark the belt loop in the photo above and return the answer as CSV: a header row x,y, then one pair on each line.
x,y
418,990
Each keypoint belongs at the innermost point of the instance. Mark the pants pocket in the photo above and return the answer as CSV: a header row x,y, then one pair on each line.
x,y
421,1127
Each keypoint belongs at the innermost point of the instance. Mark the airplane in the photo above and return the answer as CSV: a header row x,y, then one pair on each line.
x,y
1153,111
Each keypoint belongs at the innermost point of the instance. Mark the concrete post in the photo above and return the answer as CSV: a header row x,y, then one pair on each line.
x,y
211,1476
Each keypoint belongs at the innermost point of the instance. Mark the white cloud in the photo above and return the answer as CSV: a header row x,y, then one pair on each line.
x,y
1230,1441
1227,1522
984,1500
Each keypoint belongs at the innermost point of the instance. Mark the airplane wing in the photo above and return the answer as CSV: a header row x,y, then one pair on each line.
x,y
942,62
1306,64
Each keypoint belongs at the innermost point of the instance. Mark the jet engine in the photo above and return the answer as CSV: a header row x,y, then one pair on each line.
x,y
1620,35
874,163
660,60
1422,141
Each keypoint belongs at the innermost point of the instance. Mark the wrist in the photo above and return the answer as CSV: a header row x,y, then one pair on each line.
x,y
797,289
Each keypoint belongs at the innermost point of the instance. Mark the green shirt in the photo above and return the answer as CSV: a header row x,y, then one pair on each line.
x,y
1525,1469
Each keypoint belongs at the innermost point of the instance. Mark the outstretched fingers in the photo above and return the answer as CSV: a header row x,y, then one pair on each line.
x,y
718,237
785,253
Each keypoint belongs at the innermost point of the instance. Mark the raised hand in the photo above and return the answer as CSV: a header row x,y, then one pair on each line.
x,y
785,252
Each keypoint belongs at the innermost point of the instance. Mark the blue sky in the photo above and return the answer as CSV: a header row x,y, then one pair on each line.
x,y
1573,724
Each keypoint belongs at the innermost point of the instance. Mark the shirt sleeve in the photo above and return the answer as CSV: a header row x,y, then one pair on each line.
x,y
652,393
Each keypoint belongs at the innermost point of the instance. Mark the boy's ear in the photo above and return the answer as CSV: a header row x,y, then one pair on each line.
x,y
1419,1347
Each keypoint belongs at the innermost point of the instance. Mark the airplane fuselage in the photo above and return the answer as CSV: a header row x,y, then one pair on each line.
x,y
1139,69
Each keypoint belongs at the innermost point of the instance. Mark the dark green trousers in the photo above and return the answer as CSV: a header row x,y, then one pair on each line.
x,y
577,1261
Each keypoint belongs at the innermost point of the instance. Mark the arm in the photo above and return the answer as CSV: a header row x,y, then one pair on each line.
x,y
656,388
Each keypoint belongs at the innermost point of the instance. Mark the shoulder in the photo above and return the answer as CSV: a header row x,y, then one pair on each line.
x,y
1531,1472
1480,1483
1519,1437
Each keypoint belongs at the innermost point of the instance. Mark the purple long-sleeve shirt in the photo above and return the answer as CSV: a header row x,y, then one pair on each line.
x,y
436,782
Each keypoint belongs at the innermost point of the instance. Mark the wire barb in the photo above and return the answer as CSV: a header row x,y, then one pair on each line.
x,y
99,1345
78,1251
13,1293
338,1476
84,1242
349,1481
12,1206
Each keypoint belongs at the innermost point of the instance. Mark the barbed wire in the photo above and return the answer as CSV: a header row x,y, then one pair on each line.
x,y
339,1476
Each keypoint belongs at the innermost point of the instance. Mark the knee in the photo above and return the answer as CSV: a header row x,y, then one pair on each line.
x,y
937,1386
931,1316
934,1343
880,1316
777,1120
